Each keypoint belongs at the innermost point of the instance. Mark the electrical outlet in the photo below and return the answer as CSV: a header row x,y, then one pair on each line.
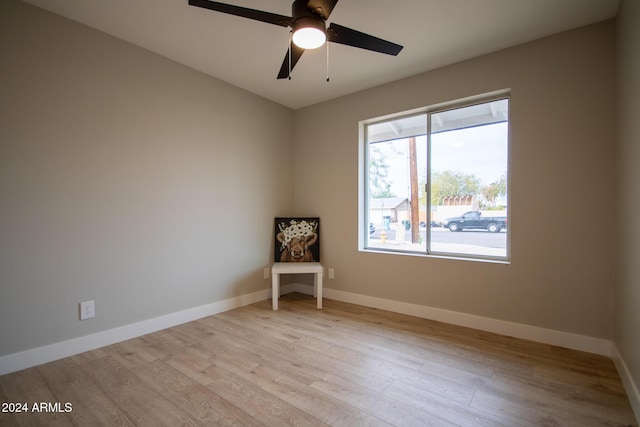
x,y
266,273
87,310
332,273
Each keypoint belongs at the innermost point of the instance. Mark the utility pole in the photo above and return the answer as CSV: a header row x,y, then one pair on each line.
x,y
415,202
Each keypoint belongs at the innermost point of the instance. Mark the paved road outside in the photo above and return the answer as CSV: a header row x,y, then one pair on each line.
x,y
472,242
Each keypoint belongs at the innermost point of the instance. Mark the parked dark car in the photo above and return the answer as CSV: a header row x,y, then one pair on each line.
x,y
473,220
372,228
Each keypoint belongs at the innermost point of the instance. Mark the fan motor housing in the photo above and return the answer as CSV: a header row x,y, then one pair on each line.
x,y
308,22
299,10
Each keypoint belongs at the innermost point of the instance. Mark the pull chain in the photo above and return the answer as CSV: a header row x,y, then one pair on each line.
x,y
327,60
290,40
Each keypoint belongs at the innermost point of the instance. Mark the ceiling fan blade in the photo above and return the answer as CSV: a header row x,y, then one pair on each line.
x,y
343,35
296,53
322,7
258,15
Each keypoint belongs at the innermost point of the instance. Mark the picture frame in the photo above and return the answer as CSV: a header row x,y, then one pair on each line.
x,y
297,239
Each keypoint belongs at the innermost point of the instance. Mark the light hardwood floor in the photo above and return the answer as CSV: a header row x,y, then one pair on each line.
x,y
345,365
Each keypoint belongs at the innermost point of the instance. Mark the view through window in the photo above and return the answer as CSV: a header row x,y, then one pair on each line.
x,y
436,182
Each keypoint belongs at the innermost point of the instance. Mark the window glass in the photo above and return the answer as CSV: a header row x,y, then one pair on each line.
x,y
436,182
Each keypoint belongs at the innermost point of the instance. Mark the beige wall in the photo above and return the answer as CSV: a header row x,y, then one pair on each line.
x,y
627,303
562,139
125,178
150,188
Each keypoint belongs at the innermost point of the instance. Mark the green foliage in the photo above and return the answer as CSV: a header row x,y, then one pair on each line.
x,y
456,184
451,184
495,190
379,184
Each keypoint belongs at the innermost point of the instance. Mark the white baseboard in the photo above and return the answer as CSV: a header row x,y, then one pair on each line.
x,y
517,330
629,385
33,357
37,356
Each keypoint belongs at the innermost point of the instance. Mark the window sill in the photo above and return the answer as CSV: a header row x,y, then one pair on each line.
x,y
461,257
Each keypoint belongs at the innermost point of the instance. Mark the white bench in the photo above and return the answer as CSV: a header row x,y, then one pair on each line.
x,y
296,268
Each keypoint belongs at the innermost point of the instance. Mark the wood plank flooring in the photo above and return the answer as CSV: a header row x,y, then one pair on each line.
x,y
345,365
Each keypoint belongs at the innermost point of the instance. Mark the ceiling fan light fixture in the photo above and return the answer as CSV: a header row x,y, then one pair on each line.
x,y
309,33
308,29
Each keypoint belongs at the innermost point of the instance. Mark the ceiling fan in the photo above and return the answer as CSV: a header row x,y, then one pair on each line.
x,y
308,26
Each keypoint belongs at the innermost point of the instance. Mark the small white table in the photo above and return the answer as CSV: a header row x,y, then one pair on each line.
x,y
295,268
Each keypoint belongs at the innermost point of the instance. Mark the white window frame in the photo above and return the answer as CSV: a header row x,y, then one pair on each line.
x,y
363,181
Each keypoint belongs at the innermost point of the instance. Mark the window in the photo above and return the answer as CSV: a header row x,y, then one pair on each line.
x,y
436,181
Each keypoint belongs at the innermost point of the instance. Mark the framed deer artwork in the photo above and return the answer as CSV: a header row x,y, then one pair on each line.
x,y
297,240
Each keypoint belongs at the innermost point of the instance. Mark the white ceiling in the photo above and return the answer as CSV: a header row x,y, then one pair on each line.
x,y
248,53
